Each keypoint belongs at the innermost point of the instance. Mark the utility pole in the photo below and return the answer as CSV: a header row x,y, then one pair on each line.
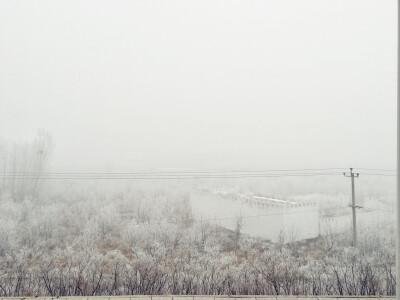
x,y
398,158
353,204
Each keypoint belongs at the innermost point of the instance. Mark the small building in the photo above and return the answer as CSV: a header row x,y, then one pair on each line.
x,y
264,217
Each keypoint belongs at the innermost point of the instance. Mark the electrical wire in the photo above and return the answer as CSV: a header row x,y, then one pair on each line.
x,y
177,172
376,174
159,177
176,176
378,209
381,170
184,174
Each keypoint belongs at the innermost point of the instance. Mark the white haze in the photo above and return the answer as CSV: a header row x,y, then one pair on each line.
x,y
202,84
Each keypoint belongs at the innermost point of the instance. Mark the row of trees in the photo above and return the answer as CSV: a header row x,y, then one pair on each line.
x,y
145,241
22,165
88,272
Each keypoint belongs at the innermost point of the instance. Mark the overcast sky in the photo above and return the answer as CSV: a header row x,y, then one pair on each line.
x,y
202,84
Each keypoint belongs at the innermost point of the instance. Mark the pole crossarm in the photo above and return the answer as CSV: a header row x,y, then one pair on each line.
x,y
351,174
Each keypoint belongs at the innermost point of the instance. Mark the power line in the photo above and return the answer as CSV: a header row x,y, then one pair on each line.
x,y
190,176
382,170
188,172
378,209
376,174
160,176
178,172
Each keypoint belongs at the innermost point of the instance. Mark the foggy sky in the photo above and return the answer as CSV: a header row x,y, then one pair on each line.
x,y
202,84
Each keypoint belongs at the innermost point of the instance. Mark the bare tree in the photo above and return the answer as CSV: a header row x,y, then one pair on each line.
x,y
42,147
